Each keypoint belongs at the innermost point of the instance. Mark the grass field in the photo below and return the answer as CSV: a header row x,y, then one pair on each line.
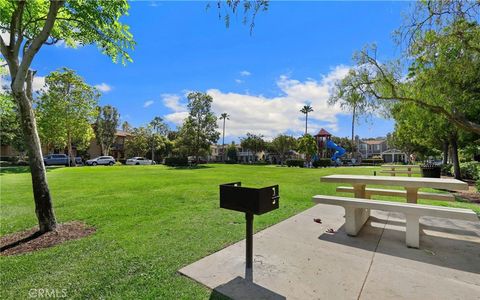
x,y
150,221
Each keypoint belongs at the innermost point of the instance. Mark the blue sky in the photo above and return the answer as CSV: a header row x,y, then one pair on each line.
x,y
296,52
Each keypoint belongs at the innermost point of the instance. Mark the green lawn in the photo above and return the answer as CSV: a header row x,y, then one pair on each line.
x,y
150,220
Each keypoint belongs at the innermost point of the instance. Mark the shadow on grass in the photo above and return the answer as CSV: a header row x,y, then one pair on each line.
x,y
21,169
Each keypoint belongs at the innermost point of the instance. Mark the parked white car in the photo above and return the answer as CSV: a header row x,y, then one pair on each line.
x,y
101,160
139,161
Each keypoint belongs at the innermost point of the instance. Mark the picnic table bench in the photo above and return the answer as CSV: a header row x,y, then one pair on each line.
x,y
357,210
400,169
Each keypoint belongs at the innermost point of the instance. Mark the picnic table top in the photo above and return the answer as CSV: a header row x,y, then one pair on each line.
x,y
411,182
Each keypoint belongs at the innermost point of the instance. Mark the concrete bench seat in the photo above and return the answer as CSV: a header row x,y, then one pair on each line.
x,y
398,193
357,211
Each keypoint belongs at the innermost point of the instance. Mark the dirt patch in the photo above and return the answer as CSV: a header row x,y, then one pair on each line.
x,y
472,195
30,240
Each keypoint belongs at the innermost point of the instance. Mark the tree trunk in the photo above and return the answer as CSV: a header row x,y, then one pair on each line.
x,y
41,192
306,123
71,157
223,141
456,164
445,152
353,130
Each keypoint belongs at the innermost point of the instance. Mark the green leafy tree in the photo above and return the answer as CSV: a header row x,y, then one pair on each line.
x,y
158,131
439,71
106,127
66,110
11,132
282,144
138,143
306,109
232,153
126,126
254,143
199,130
32,24
307,145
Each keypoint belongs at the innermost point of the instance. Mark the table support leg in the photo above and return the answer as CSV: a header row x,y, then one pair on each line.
x,y
412,194
354,219
413,231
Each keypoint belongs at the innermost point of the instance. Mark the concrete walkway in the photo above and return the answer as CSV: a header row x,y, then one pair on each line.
x,y
298,259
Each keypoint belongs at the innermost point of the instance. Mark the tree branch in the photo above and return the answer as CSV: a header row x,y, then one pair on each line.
x,y
36,43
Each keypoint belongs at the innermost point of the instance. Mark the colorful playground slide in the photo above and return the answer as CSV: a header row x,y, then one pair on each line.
x,y
339,151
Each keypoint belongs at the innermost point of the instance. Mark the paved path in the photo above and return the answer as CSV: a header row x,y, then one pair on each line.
x,y
297,259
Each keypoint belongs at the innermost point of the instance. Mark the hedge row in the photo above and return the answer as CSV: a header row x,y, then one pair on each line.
x,y
296,163
322,163
372,161
176,161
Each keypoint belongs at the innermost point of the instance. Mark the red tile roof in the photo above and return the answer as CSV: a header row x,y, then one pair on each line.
x,y
323,132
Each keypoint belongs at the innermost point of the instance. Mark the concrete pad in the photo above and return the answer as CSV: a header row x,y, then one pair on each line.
x,y
297,259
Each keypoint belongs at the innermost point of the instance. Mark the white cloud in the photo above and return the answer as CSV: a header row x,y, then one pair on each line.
x,y
274,115
148,103
238,81
38,83
5,36
245,73
103,87
172,101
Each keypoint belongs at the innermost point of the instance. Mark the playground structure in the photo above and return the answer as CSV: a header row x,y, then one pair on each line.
x,y
326,147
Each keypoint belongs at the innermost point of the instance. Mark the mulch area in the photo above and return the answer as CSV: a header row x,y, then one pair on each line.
x,y
29,240
472,195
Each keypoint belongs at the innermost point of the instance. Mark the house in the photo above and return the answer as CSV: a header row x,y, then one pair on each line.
x,y
243,155
369,148
117,150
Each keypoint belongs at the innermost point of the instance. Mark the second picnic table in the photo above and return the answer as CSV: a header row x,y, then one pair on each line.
x,y
411,184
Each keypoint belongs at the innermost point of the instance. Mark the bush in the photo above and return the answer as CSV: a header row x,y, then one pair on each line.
x,y
373,161
478,183
296,163
261,163
447,169
469,170
176,161
322,163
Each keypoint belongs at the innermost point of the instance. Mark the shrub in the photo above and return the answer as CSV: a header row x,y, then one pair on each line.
x,y
478,183
373,161
176,161
322,162
447,169
296,163
469,170
261,163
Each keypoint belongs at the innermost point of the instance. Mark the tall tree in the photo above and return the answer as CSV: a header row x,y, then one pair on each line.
x,y
106,127
254,143
126,126
138,143
224,117
282,144
199,130
158,129
306,109
442,63
307,145
32,24
350,100
66,110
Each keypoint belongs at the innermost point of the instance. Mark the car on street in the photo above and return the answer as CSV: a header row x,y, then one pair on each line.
x,y
55,160
139,161
101,160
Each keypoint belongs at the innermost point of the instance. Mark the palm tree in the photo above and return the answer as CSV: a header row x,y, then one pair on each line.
x,y
305,110
126,126
224,117
157,125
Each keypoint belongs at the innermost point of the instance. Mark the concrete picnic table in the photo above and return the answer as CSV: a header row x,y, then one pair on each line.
x,y
401,169
411,184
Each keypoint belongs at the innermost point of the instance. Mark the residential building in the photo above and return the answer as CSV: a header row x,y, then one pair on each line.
x,y
243,155
369,148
